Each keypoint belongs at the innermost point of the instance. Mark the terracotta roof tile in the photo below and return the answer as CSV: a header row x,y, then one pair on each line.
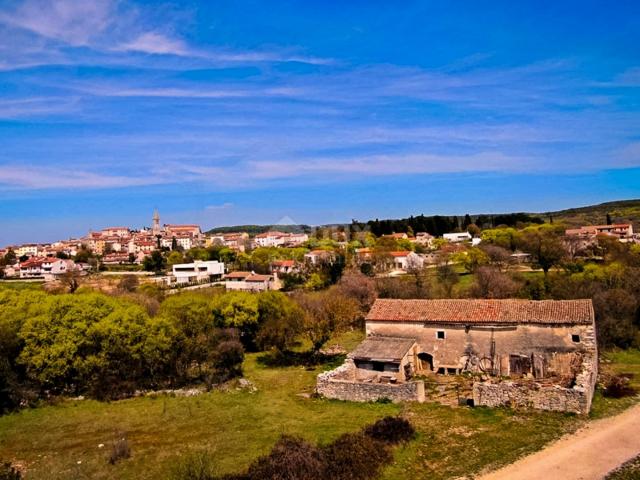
x,y
238,275
512,311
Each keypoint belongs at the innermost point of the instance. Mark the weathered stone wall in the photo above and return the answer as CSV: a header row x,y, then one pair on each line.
x,y
545,340
340,384
531,394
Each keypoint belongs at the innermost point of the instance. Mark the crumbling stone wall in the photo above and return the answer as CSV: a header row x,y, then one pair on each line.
x,y
531,394
341,384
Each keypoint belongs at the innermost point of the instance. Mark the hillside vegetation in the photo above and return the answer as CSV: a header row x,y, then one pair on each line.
x,y
620,211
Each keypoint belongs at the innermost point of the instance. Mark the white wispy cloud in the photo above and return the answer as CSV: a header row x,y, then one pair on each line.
x,y
156,43
108,28
66,177
69,21
224,206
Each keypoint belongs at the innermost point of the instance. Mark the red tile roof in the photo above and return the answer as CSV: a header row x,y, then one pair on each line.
x,y
511,311
399,254
238,275
259,278
283,263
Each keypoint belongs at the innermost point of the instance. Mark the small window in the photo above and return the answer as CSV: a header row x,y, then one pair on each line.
x,y
440,335
575,338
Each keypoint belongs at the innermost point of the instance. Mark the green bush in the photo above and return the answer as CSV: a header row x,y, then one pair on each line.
x,y
391,430
291,458
355,456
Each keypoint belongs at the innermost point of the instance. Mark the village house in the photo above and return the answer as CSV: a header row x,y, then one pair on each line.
x,y
284,266
622,231
179,230
28,250
54,268
251,282
31,268
235,240
295,239
279,239
270,239
198,271
364,254
397,236
316,257
116,232
406,260
527,353
116,258
457,237
424,239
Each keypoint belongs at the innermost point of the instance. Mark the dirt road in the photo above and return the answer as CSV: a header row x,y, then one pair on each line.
x,y
589,454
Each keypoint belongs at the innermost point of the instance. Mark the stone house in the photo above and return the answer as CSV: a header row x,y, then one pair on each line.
x,y
385,359
545,349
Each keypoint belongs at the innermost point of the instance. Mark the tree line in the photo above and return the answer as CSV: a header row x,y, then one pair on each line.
x,y
437,225
103,346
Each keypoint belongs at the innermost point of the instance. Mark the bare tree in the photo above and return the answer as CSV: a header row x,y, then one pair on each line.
x,y
498,257
70,279
361,288
492,283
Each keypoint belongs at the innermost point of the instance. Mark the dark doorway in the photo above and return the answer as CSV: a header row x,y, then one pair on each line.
x,y
427,361
519,365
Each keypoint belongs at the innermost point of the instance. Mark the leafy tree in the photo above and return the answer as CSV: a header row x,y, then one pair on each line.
x,y
471,259
83,255
473,229
90,342
174,258
154,262
237,310
326,313
545,244
9,257
280,321
190,316
447,278
502,237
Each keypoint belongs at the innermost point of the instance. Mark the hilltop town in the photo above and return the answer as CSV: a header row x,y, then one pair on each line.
x,y
276,259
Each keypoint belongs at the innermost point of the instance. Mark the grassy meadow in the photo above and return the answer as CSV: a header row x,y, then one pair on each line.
x,y
63,441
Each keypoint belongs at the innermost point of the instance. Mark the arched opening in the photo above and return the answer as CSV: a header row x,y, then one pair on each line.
x,y
426,361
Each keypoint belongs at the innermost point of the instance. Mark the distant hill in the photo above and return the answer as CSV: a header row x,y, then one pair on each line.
x,y
623,211
255,229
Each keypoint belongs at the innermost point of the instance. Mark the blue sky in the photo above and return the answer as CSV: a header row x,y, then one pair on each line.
x,y
237,112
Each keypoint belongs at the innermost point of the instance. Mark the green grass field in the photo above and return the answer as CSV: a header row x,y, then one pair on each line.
x,y
62,441
18,285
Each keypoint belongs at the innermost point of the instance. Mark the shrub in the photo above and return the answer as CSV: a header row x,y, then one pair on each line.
x,y
120,450
228,359
7,472
195,466
291,458
355,456
617,386
391,430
